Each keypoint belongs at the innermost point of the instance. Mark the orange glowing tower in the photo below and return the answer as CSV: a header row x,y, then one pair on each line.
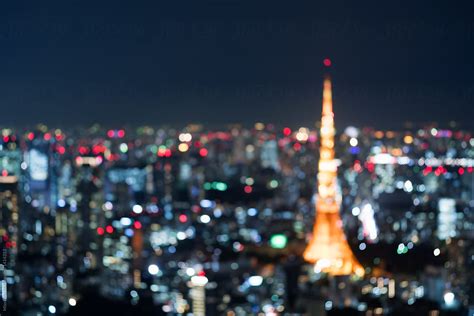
x,y
328,248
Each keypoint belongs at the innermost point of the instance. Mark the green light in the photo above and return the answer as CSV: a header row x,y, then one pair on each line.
x,y
221,186
278,241
402,249
273,184
123,148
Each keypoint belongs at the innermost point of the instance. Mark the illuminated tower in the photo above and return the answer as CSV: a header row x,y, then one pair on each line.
x,y
328,248
198,294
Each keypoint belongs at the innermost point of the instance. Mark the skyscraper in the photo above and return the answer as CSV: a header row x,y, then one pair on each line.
x,y
328,248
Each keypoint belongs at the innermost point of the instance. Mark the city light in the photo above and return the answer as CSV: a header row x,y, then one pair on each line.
x,y
278,241
52,309
153,269
137,209
255,280
449,298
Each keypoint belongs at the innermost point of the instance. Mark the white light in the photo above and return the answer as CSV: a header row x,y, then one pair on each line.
x,y
52,309
321,264
366,216
255,280
181,235
205,219
190,272
436,252
353,141
61,203
206,203
137,209
125,221
351,131
383,159
328,305
185,137
72,301
251,212
108,206
408,186
356,211
153,269
449,298
199,280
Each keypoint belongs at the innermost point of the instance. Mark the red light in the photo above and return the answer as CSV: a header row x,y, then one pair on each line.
x,y
297,146
5,237
61,150
83,150
287,131
100,231
248,189
59,137
109,229
47,136
6,139
427,170
97,149
137,225
110,133
182,218
168,152
8,244
4,173
357,166
327,62
461,171
121,133
201,273
203,152
31,136
470,169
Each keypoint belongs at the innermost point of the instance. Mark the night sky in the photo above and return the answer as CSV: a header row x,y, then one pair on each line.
x,y
219,62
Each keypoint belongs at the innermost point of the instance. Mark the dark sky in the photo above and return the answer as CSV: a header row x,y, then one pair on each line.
x,y
218,62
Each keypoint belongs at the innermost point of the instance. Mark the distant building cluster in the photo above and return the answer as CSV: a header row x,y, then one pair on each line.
x,y
215,222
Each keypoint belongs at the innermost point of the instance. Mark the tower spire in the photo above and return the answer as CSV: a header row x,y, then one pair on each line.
x,y
328,248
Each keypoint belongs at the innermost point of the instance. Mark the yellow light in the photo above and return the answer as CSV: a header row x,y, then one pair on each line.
x,y
259,126
408,139
183,147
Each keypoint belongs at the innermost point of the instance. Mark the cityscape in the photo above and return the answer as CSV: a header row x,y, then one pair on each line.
x,y
243,217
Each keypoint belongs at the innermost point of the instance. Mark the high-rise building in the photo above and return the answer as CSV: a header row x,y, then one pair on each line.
x,y
328,248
